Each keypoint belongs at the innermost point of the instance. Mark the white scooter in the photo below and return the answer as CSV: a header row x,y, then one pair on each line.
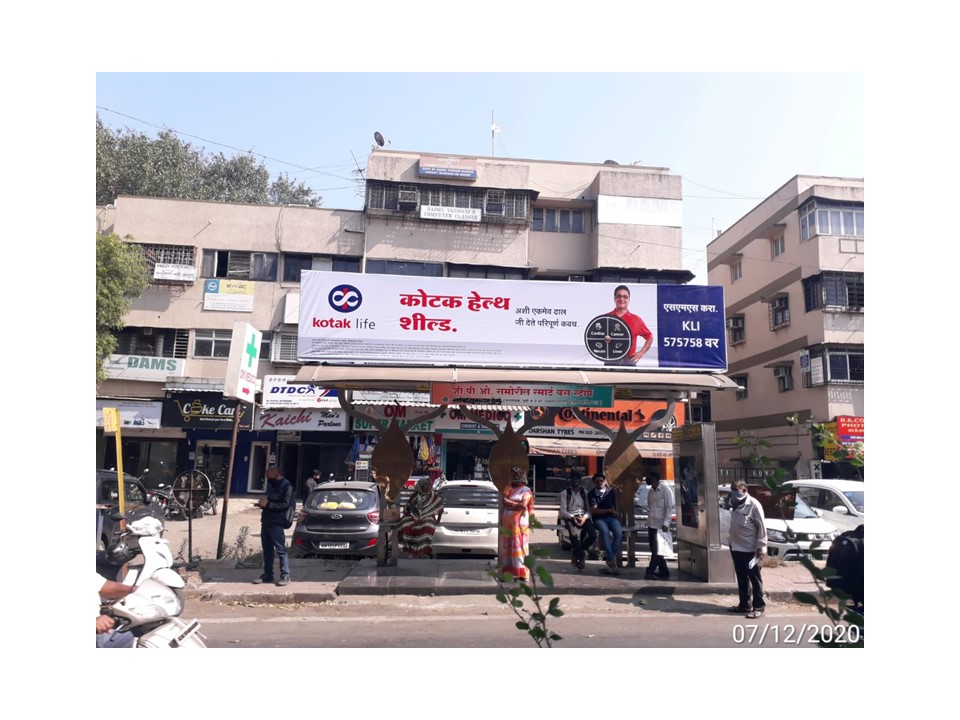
x,y
152,611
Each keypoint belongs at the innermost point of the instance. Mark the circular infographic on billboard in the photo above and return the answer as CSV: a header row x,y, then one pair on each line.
x,y
608,338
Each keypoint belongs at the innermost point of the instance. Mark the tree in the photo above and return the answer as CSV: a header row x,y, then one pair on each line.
x,y
121,277
131,163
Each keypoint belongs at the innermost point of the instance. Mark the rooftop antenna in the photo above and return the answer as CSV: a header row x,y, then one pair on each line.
x,y
494,129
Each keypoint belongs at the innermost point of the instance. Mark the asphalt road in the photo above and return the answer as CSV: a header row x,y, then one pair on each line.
x,y
481,622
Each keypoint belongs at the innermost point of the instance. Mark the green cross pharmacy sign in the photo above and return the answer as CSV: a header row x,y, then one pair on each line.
x,y
241,378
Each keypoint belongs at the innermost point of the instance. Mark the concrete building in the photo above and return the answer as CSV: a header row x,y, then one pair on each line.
x,y
793,273
451,216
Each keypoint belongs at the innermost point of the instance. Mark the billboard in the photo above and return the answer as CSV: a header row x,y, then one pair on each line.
x,y
352,318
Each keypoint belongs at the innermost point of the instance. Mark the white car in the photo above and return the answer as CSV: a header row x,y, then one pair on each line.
x,y
469,522
807,527
839,501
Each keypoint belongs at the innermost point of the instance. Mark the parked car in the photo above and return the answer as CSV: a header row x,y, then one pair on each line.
x,y
810,530
469,521
839,501
339,518
136,504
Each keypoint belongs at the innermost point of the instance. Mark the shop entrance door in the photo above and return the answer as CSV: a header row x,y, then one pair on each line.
x,y
213,460
259,457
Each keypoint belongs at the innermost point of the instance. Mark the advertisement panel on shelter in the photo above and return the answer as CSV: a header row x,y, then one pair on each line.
x,y
415,320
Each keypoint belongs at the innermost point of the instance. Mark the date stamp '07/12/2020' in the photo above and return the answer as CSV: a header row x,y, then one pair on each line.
x,y
747,634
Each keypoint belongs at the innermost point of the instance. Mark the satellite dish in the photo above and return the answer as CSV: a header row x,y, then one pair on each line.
x,y
379,138
610,162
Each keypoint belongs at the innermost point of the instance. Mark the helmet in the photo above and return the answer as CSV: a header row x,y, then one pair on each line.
x,y
119,554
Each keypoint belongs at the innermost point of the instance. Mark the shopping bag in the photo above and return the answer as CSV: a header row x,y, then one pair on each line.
x,y
665,544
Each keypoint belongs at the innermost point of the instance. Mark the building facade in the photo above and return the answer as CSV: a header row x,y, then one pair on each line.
x,y
448,216
793,276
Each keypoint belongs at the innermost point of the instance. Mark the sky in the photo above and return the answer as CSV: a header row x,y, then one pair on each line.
x,y
734,138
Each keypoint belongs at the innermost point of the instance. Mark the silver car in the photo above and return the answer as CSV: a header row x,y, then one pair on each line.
x,y
469,522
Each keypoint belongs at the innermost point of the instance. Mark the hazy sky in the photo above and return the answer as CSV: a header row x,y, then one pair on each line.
x,y
733,137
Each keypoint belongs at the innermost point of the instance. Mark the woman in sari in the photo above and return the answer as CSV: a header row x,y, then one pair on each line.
x,y
517,508
419,522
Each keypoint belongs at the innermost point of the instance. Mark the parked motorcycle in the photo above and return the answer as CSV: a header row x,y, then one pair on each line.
x,y
152,611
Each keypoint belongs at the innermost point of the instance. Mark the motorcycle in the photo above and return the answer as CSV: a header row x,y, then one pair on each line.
x,y
152,612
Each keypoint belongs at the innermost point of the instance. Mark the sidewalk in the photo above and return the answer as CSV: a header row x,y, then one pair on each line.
x,y
318,580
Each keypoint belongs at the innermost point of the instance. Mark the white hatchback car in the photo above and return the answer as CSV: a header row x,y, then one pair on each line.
x,y
839,501
807,527
469,522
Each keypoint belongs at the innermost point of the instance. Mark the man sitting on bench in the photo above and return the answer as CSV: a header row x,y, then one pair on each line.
x,y
575,514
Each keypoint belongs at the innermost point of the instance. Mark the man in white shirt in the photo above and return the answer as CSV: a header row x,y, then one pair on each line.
x,y
660,509
748,545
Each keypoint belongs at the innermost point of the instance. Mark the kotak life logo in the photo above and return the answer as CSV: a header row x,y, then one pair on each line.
x,y
345,298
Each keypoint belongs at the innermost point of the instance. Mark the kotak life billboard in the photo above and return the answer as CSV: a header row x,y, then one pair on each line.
x,y
413,320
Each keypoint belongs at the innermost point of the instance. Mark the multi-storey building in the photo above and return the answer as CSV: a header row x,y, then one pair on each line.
x,y
451,216
793,273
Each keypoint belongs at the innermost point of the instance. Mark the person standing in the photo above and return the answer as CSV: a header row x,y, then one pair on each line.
x,y
312,481
419,521
517,509
748,544
660,504
574,512
273,516
638,328
603,510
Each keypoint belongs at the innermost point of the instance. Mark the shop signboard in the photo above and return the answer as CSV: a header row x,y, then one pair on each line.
x,y
316,419
633,414
133,414
142,367
240,380
228,295
451,422
414,320
204,410
523,394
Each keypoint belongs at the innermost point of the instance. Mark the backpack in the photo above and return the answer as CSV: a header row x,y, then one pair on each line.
x,y
291,515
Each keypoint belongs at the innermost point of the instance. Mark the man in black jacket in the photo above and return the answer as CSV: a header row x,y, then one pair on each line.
x,y
273,519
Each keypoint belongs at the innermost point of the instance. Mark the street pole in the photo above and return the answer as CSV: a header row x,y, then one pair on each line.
x,y
226,486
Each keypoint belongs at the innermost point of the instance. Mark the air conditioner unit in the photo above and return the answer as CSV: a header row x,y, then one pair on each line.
x,y
577,278
781,372
735,323
407,197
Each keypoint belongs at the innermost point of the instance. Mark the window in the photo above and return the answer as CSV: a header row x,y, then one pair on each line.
x,y
736,271
265,341
153,342
401,267
779,312
181,256
778,247
823,217
493,202
557,220
294,264
844,363
240,265
485,271
784,376
212,343
735,330
284,348
740,380
833,290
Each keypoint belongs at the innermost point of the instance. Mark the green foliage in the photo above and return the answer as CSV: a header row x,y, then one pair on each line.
x,y
516,593
131,163
121,277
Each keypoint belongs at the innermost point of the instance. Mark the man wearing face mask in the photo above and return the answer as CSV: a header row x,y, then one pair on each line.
x,y
748,544
574,512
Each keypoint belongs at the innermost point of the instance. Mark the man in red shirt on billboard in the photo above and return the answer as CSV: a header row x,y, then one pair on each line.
x,y
638,328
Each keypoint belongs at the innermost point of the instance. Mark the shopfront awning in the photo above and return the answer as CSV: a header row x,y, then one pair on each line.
x,y
594,448
651,385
